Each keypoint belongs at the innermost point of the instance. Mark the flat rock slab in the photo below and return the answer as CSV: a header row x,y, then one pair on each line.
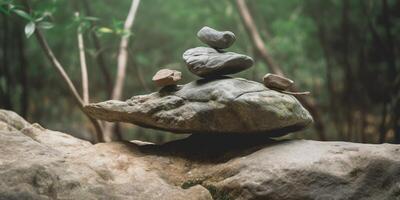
x,y
36,163
206,62
224,105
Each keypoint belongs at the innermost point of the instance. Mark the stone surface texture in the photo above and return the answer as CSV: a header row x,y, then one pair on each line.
x,y
36,163
216,39
223,105
274,81
208,62
165,77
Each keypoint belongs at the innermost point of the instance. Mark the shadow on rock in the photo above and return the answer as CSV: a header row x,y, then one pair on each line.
x,y
211,148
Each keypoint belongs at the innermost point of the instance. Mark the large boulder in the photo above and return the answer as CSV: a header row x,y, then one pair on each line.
x,y
36,163
223,105
209,62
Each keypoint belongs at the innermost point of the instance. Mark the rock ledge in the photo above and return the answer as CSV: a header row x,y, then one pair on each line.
x,y
36,163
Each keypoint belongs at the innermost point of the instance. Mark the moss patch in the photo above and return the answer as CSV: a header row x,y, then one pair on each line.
x,y
190,183
216,194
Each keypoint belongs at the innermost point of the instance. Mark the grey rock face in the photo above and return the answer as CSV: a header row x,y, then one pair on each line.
x,y
207,62
36,163
216,39
223,105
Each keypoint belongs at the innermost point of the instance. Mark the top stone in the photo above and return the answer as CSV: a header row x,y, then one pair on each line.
x,y
216,39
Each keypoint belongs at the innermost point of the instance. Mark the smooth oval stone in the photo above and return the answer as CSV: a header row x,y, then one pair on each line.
x,y
165,77
207,62
216,39
223,105
274,81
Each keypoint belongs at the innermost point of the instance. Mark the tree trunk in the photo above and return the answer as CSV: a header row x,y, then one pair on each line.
x,y
349,88
100,60
256,39
6,98
23,79
122,62
393,72
123,52
56,64
264,54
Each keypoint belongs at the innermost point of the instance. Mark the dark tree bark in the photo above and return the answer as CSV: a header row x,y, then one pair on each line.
x,y
23,78
393,72
348,91
333,94
6,98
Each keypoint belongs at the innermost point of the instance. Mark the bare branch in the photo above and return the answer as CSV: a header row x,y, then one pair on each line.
x,y
256,38
99,56
50,55
123,53
54,61
82,58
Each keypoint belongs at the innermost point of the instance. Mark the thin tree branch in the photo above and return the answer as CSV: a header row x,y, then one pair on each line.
x,y
123,52
54,61
256,38
24,98
50,55
82,59
99,56
122,63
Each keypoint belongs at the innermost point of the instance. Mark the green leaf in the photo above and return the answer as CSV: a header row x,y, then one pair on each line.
x,y
29,29
105,30
91,18
2,2
45,25
40,18
23,14
3,10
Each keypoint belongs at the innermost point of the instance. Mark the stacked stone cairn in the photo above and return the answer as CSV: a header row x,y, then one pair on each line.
x,y
216,103
213,61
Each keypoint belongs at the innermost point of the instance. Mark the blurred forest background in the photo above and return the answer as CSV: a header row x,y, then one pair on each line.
x,y
346,52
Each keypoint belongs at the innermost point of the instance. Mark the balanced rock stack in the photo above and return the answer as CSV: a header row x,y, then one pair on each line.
x,y
213,104
214,61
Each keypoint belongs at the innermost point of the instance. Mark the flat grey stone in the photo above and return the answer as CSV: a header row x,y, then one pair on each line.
x,y
216,39
206,62
223,105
